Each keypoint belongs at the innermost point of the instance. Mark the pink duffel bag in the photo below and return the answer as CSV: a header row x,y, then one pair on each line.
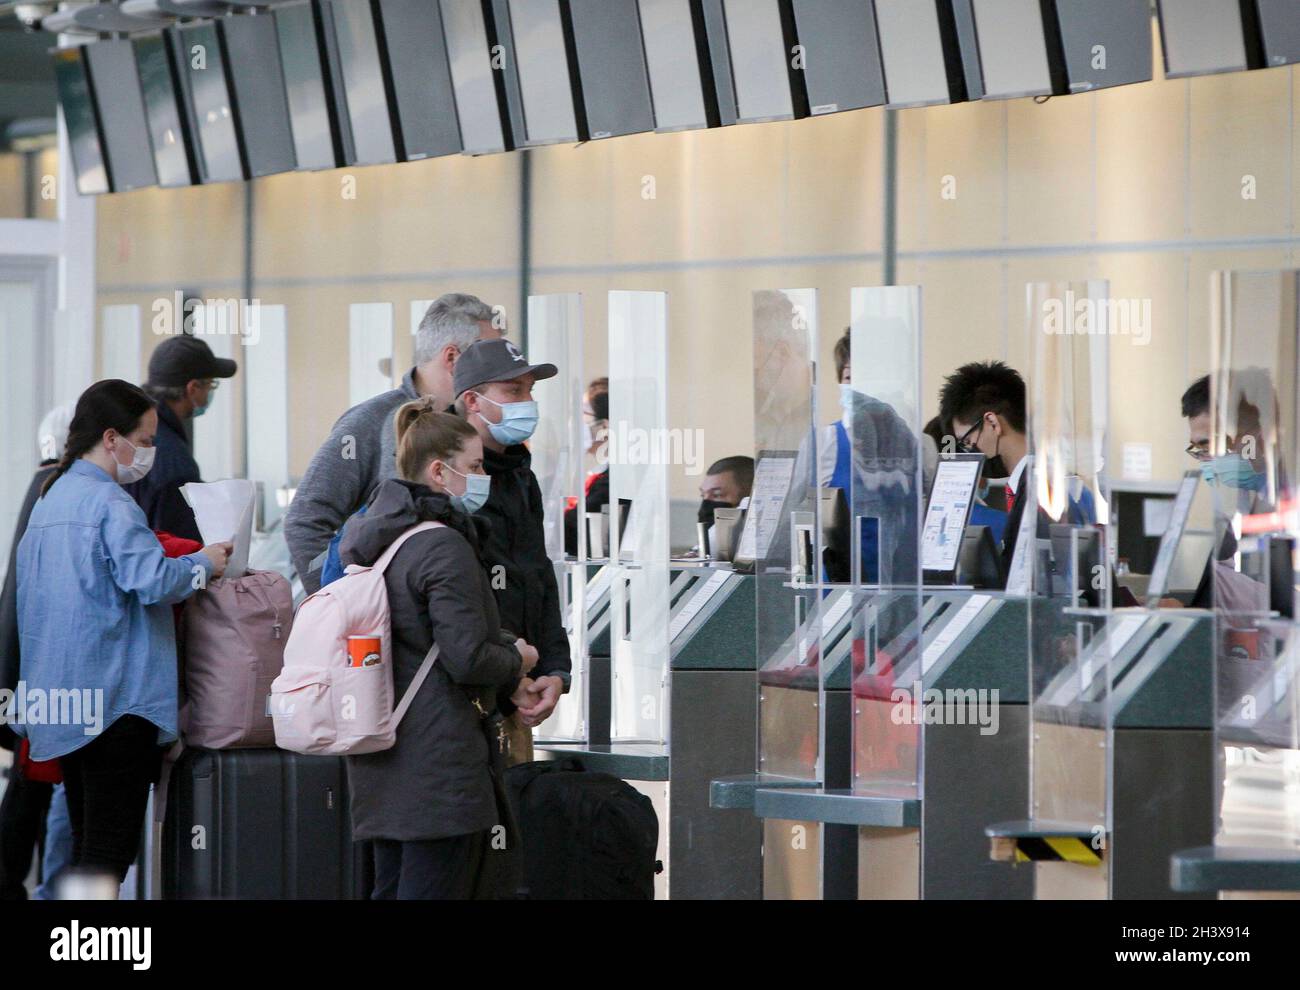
x,y
235,632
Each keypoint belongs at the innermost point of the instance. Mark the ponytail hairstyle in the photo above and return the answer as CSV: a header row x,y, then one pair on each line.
x,y
108,405
425,434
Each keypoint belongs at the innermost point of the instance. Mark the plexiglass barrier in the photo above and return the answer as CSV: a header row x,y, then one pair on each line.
x,y
782,535
639,454
879,468
1062,559
1254,443
555,337
782,542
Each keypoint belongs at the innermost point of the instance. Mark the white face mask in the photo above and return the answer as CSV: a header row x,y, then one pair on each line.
x,y
141,462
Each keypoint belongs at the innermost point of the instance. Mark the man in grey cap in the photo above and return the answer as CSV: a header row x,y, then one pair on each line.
x,y
494,392
183,374
360,451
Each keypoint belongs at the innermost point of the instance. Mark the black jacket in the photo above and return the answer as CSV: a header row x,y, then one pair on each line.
x,y
515,550
9,598
436,781
158,493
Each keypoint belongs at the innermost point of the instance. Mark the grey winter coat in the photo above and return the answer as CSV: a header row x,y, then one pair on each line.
x,y
435,782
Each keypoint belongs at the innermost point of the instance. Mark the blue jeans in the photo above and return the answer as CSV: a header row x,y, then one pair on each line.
x,y
58,844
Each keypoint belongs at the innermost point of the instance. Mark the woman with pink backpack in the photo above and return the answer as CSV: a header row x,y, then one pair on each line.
x,y
430,802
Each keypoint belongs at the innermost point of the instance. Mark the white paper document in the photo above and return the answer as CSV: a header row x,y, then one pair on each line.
x,y
224,511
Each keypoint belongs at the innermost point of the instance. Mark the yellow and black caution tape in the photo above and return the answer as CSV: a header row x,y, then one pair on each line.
x,y
1041,848
1057,848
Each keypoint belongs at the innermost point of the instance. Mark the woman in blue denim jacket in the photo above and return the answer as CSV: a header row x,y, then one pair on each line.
x,y
98,677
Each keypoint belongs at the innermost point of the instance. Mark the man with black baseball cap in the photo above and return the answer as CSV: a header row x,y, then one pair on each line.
x,y
183,374
494,382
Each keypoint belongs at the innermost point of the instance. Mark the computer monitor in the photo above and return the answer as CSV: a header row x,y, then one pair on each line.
x,y
1078,567
543,93
365,92
979,564
920,52
680,64
207,102
120,102
841,49
470,34
762,60
612,67
952,494
1104,43
1010,56
423,97
261,106
312,114
1200,37
168,138
1279,28
79,115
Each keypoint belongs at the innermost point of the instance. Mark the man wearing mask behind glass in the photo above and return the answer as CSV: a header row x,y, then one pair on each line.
x,y
494,393
183,374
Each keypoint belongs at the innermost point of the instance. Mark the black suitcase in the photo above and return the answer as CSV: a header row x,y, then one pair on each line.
x,y
586,836
261,824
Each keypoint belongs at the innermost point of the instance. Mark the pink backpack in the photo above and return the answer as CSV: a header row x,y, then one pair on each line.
x,y
321,704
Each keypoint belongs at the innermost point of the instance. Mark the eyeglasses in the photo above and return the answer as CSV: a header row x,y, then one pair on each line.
x,y
213,384
964,443
1199,452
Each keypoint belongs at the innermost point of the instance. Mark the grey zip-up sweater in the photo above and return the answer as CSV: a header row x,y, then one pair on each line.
x,y
360,452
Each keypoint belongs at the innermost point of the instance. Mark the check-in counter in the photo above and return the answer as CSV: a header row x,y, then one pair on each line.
x,y
916,822
1122,753
711,727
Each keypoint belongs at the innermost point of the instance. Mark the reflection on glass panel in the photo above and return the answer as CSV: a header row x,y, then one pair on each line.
x,y
639,544
555,337
266,367
881,421
781,536
1253,443
1062,549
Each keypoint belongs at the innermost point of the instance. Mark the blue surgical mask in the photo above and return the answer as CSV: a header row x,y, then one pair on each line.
x,y
847,393
477,487
1232,471
518,421
200,410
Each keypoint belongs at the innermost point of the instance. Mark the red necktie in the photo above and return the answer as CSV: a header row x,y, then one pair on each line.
x,y
1011,500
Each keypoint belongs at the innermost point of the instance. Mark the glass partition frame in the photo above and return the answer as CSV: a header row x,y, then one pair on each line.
x,y
555,337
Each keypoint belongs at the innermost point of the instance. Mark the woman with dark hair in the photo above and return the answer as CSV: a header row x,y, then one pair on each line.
x,y
98,645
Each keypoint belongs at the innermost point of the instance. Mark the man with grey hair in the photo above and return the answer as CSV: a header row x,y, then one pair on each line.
x,y
360,451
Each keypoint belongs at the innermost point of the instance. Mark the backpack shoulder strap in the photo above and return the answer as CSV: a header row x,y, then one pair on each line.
x,y
409,695
387,556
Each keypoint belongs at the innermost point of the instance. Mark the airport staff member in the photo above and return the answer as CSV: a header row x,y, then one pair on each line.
x,y
183,374
494,393
360,451
985,403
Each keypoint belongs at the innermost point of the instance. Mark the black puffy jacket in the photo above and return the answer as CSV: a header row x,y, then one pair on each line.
x,y
436,781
